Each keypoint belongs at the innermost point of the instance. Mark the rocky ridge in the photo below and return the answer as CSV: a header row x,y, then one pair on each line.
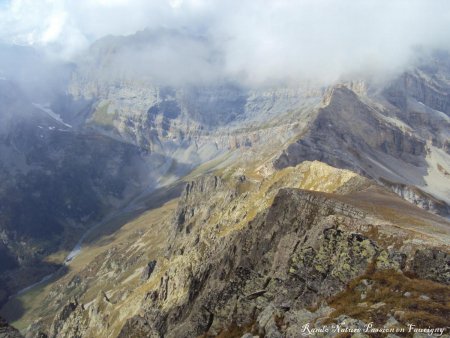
x,y
265,256
353,132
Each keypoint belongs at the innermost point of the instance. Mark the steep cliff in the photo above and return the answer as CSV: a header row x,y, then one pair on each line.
x,y
369,136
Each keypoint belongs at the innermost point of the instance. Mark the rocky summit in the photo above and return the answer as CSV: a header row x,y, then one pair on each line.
x,y
131,208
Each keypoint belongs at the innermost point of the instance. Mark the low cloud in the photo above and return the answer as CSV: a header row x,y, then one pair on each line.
x,y
38,77
255,42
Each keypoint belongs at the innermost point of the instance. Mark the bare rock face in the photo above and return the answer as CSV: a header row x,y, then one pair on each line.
x,y
187,124
350,132
347,128
423,100
425,85
138,327
419,198
148,270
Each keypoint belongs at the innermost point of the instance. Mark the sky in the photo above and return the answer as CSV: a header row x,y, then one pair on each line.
x,y
258,40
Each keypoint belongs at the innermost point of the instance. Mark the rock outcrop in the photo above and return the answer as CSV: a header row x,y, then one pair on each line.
x,y
148,270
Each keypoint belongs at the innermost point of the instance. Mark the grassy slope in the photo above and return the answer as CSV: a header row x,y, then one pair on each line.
x,y
31,304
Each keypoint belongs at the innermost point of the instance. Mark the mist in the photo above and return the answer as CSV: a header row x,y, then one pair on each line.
x,y
38,76
251,42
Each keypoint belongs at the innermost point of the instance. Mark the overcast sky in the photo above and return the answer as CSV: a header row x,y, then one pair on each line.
x,y
259,40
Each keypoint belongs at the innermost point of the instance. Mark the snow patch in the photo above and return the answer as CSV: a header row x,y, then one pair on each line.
x,y
396,122
51,113
436,112
437,182
381,165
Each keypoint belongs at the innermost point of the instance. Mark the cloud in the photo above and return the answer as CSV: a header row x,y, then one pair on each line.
x,y
159,56
259,41
38,77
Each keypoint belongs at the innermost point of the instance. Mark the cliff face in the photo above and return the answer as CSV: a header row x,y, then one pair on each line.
x,y
423,101
267,257
346,129
390,144
192,124
427,84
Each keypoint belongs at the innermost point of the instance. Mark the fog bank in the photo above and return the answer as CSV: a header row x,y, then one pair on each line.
x,y
255,42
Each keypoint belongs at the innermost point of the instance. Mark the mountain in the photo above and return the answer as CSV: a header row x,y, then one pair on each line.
x,y
72,162
55,183
382,142
238,254
396,133
133,206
